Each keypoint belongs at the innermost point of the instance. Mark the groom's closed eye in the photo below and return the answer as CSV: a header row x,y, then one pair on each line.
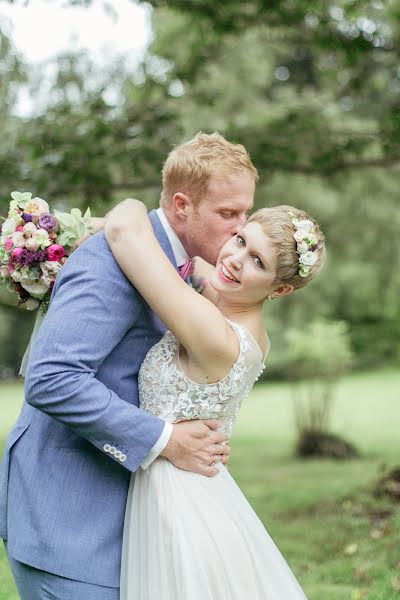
x,y
226,214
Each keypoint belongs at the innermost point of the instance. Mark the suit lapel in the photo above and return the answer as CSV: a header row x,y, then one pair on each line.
x,y
162,236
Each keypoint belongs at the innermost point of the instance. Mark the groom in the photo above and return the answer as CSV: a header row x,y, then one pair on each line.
x,y
65,473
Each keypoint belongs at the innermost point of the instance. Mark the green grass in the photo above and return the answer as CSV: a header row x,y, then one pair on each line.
x,y
340,541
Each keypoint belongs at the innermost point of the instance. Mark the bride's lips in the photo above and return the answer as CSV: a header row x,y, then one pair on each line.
x,y
224,277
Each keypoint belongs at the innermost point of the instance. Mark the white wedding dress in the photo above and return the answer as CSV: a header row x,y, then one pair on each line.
x,y
187,536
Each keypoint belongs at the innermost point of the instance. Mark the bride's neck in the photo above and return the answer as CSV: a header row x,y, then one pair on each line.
x,y
240,313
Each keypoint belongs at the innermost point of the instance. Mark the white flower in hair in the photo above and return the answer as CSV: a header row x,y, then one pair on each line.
x,y
303,225
308,258
302,247
306,243
299,235
311,239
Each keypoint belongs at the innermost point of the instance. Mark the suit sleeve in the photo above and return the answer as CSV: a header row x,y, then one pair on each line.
x,y
92,308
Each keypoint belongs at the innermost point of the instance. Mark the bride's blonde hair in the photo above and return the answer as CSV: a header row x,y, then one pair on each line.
x,y
276,223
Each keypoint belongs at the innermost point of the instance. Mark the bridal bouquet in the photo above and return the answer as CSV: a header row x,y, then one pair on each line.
x,y
34,245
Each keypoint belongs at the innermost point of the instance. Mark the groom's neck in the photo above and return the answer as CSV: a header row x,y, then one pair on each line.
x,y
177,224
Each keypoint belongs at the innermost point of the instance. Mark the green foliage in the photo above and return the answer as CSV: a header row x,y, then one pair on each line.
x,y
312,89
321,350
317,355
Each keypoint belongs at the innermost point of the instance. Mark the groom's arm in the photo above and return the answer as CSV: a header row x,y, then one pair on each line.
x,y
93,307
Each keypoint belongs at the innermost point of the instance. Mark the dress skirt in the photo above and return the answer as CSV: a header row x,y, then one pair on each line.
x,y
190,537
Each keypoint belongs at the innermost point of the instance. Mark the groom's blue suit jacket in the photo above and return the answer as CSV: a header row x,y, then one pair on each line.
x,y
62,496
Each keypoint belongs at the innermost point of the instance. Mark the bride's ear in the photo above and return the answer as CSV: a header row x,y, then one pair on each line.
x,y
282,290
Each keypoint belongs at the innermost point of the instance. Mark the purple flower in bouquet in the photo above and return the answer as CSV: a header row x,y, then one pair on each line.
x,y
48,222
29,257
27,217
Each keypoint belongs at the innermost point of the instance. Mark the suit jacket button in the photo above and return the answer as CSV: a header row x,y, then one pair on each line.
x,y
118,454
113,450
106,447
122,458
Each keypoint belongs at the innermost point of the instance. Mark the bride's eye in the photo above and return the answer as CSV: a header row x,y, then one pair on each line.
x,y
258,262
240,240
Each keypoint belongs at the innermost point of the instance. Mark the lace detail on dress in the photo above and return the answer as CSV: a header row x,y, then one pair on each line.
x,y
167,392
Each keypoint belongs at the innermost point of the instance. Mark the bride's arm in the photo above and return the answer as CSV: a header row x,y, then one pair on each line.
x,y
194,320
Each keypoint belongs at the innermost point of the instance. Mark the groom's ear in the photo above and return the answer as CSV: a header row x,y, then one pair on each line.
x,y
181,205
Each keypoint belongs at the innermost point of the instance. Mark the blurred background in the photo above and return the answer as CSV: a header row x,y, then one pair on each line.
x,y
94,94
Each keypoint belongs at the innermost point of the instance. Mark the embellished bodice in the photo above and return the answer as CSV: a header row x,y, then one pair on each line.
x,y
167,392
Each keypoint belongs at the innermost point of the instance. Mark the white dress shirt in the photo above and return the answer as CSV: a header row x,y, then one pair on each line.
x,y
181,257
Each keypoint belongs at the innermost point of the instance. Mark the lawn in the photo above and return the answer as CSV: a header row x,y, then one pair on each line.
x,y
341,542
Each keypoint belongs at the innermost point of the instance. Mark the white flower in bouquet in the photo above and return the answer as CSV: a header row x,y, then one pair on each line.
x,y
37,206
32,304
9,226
41,237
50,268
18,239
31,244
37,288
30,228
16,275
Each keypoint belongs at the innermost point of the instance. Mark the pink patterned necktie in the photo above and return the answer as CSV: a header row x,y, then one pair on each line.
x,y
186,269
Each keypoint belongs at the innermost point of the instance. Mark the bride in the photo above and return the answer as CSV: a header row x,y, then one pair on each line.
x,y
187,536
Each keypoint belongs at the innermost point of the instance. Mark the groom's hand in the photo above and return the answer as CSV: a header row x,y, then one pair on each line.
x,y
196,446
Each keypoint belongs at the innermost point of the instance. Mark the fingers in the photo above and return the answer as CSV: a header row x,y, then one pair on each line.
x,y
212,423
219,449
210,471
218,437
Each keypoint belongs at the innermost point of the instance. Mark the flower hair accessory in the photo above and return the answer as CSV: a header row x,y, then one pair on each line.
x,y
307,243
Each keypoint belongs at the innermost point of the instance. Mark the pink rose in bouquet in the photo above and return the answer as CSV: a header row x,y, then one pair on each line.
x,y
55,252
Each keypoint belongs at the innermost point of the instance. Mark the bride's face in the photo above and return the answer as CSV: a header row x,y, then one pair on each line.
x,y
246,267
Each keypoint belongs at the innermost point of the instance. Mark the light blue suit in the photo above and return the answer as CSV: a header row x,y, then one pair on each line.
x,y
62,494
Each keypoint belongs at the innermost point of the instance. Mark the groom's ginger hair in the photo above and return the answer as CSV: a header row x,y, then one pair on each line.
x,y
188,167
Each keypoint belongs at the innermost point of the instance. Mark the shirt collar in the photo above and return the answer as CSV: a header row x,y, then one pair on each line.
x,y
179,251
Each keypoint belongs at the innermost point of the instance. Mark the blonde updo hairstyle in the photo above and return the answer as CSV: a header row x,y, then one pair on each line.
x,y
277,225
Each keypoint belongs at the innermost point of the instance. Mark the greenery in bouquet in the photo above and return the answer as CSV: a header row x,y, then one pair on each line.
x,y
34,245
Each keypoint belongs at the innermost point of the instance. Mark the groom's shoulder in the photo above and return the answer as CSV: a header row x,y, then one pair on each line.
x,y
93,255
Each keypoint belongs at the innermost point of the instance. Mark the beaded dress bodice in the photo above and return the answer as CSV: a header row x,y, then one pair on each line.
x,y
167,392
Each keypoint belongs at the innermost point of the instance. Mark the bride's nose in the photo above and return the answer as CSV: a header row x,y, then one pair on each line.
x,y
236,260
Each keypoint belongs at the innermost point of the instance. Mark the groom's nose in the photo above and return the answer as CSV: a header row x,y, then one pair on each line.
x,y
239,223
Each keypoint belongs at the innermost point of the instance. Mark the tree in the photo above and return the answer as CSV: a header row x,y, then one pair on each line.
x,y
318,355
